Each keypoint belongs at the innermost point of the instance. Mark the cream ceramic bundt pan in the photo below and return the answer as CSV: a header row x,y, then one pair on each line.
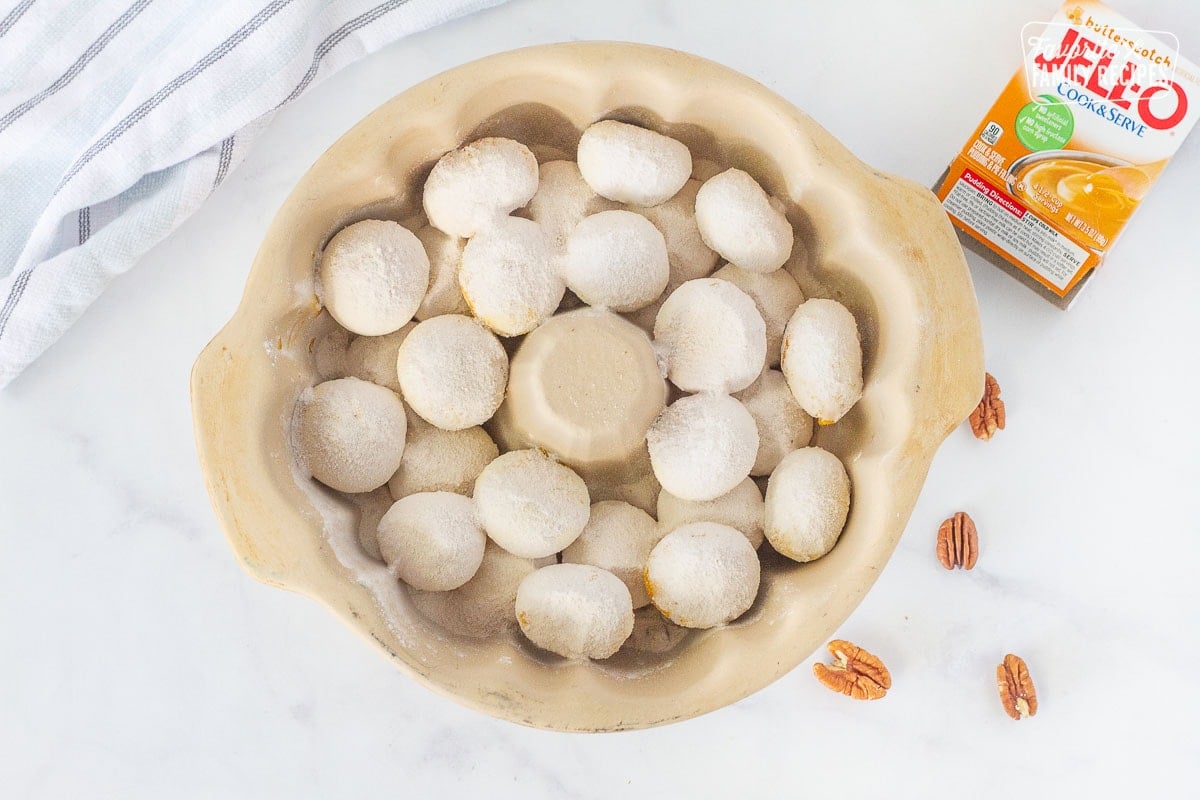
x,y
879,244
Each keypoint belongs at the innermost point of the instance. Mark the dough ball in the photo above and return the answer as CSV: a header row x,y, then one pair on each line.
x,y
531,505
776,294
738,220
443,295
432,540
653,633
436,460
350,434
712,335
741,508
371,508
822,359
510,278
702,575
452,371
618,538
329,352
373,275
689,256
702,446
373,358
632,165
575,610
782,424
616,259
808,498
484,606
562,201
472,187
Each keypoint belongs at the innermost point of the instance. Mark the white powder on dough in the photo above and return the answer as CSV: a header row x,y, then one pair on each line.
x,y
442,461
632,165
712,336
531,505
472,187
616,260
741,508
808,498
675,219
373,358
575,610
452,371
562,201
776,294
653,633
350,434
618,538
822,359
432,540
702,575
783,426
372,276
510,278
738,220
702,446
443,295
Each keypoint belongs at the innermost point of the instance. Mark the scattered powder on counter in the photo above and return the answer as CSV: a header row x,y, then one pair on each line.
x,y
472,187
702,446
783,426
653,633
808,498
373,358
712,335
741,508
632,165
510,277
776,294
618,538
452,371
562,201
372,276
329,352
702,575
531,505
689,256
350,434
822,359
575,610
432,540
617,260
443,295
371,508
436,460
739,221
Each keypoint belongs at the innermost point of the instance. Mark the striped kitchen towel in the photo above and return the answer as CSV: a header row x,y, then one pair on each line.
x,y
119,117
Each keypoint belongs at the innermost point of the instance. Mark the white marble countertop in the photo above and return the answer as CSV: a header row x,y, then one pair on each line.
x,y
138,660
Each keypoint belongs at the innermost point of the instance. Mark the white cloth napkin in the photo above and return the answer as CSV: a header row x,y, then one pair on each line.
x,y
119,117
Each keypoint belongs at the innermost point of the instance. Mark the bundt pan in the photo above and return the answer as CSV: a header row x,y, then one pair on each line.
x,y
879,244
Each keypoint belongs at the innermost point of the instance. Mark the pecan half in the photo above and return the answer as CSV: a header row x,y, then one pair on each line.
x,y
854,672
958,542
988,416
1016,688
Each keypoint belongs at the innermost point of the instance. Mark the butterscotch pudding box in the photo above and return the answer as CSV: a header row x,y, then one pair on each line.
x,y
1068,151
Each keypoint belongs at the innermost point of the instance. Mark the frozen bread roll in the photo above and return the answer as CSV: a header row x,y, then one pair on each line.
x,y
776,294
738,220
531,505
740,508
510,278
432,540
452,371
702,575
822,359
575,610
617,260
350,433
633,165
618,538
372,276
472,187
808,499
702,446
712,336
783,426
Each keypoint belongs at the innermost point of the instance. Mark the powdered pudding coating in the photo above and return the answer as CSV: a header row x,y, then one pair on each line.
x,y
563,200
436,460
741,508
373,358
618,538
702,575
443,295
689,256
510,278
575,610
808,498
632,165
472,187
617,260
783,426
712,336
822,359
702,446
432,540
531,505
738,220
350,434
372,276
452,371
653,633
776,294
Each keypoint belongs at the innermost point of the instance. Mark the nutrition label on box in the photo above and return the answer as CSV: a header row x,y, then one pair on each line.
x,y
1014,229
